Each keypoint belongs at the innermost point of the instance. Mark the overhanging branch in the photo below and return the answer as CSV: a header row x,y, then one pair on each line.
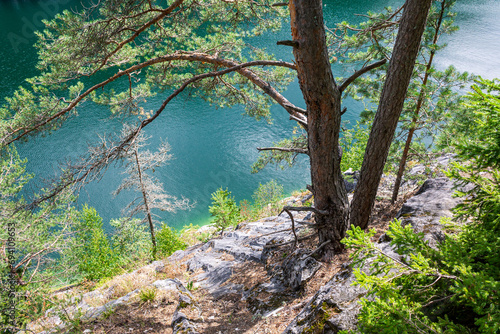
x,y
95,164
299,114
306,208
359,73
284,149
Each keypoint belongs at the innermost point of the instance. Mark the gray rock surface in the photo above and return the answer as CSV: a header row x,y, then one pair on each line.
x,y
172,285
218,257
350,180
435,166
424,210
181,324
334,307
266,297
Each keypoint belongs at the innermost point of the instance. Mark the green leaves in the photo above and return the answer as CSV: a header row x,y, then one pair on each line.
x,y
223,209
454,288
82,51
91,248
168,241
402,285
267,194
281,158
483,105
353,143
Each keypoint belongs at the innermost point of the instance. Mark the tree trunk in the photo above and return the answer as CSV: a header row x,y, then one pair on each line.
x,y
322,98
146,205
391,104
421,96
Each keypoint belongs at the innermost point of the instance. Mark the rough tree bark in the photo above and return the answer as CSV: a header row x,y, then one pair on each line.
x,y
322,97
389,109
421,96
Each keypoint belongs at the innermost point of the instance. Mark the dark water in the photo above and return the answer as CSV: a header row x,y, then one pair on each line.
x,y
212,147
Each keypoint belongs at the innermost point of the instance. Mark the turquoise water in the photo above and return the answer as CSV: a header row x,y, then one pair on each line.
x,y
212,147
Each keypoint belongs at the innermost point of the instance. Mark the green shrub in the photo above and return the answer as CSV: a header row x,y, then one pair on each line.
x,y
247,211
353,143
148,294
268,193
168,241
130,241
90,249
266,198
224,210
129,235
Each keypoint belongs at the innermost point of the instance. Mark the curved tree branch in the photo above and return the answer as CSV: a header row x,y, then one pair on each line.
x,y
284,149
359,73
198,57
155,20
95,164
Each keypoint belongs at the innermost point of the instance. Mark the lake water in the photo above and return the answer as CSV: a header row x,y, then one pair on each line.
x,y
212,147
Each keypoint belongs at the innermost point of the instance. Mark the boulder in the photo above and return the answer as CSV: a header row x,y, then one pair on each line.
x,y
217,257
266,297
181,324
350,180
298,269
424,210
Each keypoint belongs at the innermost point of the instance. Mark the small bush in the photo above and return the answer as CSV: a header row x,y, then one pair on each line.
x,y
91,249
130,241
267,193
224,210
168,241
191,235
148,294
267,198
247,212
353,143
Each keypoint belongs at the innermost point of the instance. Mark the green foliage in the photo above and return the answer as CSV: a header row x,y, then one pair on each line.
x,y
148,294
247,211
91,248
427,290
72,320
433,95
282,159
31,240
54,244
190,286
168,241
266,202
139,164
78,45
268,193
453,288
93,255
191,235
480,239
30,304
478,128
224,210
353,143
129,239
